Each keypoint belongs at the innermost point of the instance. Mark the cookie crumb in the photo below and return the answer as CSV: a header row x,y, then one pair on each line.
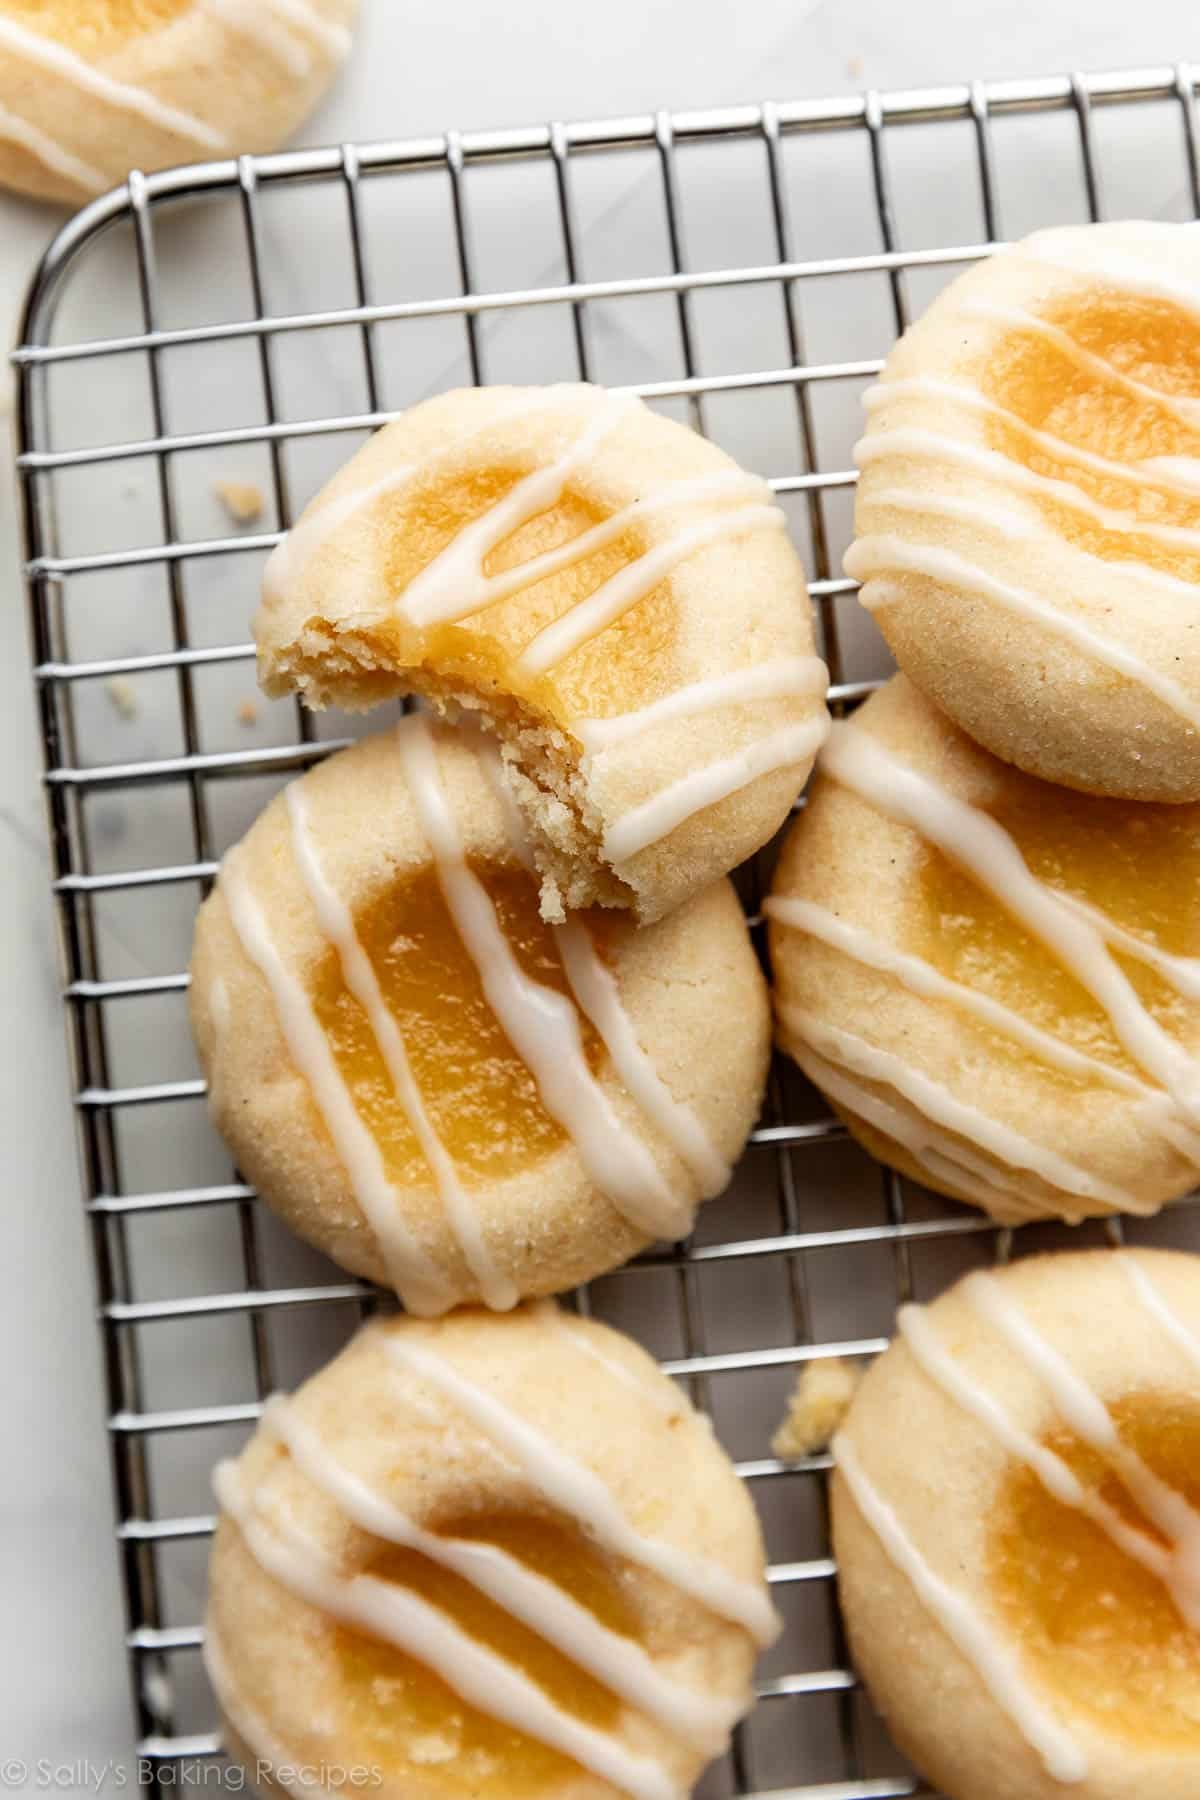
x,y
123,696
818,1405
854,68
247,714
242,500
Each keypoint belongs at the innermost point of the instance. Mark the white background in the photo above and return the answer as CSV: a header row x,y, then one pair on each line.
x,y
419,67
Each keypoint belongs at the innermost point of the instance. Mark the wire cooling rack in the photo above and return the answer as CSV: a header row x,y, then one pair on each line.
x,y
744,270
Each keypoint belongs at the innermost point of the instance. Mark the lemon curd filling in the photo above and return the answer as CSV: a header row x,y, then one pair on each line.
x,y
480,1096
612,671
1137,863
400,1715
1053,392
1094,1627
95,26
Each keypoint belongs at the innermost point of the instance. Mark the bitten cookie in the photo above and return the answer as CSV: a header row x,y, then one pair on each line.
x,y
604,588
429,1082
996,982
1017,1531
1028,515
483,1560
90,89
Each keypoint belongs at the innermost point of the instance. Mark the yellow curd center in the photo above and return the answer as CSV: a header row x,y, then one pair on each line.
x,y
1096,1628
481,1098
1137,863
611,671
403,1718
1148,341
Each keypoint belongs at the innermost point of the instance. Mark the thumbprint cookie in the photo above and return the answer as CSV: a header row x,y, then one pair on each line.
x,y
1028,517
995,982
486,1559
606,590
430,1083
1016,1517
90,89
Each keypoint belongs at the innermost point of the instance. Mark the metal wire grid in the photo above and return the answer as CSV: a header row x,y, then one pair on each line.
x,y
817,1221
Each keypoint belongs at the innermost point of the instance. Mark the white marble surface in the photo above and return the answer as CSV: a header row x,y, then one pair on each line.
x,y
419,67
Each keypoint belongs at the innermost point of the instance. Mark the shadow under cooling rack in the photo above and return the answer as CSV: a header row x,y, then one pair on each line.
x,y
251,322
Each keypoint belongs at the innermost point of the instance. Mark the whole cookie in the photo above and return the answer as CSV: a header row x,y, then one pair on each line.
x,y
608,591
90,89
1016,1526
996,982
1028,517
429,1082
483,1560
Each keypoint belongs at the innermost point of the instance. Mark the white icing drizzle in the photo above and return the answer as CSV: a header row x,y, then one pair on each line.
x,y
982,848
614,597
618,1662
665,1398
1054,1473
453,585
321,519
913,441
942,1158
580,1493
1162,1118
725,484
400,1617
653,819
992,1658
946,1109
1185,408
1152,1299
1009,524
253,1731
784,677
1184,470
1181,972
922,978
1087,1416
931,387
882,555
1116,270
598,996
337,923
51,154
542,1025
414,1277
253,19
46,53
